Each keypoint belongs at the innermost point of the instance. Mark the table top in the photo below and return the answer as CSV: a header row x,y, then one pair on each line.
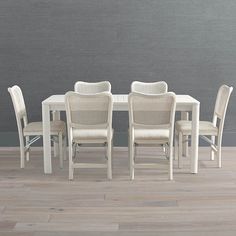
x,y
120,102
119,98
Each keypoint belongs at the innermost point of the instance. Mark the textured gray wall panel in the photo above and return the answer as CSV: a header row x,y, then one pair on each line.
x,y
46,45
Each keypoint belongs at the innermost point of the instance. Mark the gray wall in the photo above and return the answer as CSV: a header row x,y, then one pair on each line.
x,y
47,45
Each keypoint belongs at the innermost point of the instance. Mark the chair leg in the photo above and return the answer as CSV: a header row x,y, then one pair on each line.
x,y
219,157
185,116
212,152
60,145
219,141
27,138
64,149
109,161
131,157
56,149
22,156
180,156
71,169
176,146
185,149
22,152
112,154
71,172
135,152
171,162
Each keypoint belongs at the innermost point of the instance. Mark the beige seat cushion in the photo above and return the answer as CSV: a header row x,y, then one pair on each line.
x,y
205,127
90,135
36,128
151,136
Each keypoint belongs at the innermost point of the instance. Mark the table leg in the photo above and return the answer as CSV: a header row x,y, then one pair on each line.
x,y
195,138
46,139
185,116
56,116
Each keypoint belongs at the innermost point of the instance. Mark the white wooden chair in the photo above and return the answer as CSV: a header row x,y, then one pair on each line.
x,y
89,121
35,129
92,88
151,122
149,88
206,128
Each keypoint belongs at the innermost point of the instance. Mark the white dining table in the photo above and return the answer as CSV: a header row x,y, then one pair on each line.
x,y
56,104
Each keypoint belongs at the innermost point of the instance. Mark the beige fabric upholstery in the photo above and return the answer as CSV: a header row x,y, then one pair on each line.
x,y
151,136
205,127
90,135
37,128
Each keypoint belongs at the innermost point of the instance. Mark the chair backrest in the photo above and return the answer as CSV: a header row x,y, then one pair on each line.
x,y
221,105
152,111
149,88
92,88
19,106
89,111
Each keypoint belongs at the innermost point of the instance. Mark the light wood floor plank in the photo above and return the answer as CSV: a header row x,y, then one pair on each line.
x,y
34,204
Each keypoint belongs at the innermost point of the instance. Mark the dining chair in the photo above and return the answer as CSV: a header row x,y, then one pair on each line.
x,y
92,88
212,128
151,122
149,88
26,129
89,121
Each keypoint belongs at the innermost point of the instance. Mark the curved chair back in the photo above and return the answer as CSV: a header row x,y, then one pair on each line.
x,y
221,105
152,111
92,88
19,106
89,111
149,88
222,101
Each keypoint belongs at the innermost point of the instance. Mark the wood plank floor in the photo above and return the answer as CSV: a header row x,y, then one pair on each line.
x,y
34,204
